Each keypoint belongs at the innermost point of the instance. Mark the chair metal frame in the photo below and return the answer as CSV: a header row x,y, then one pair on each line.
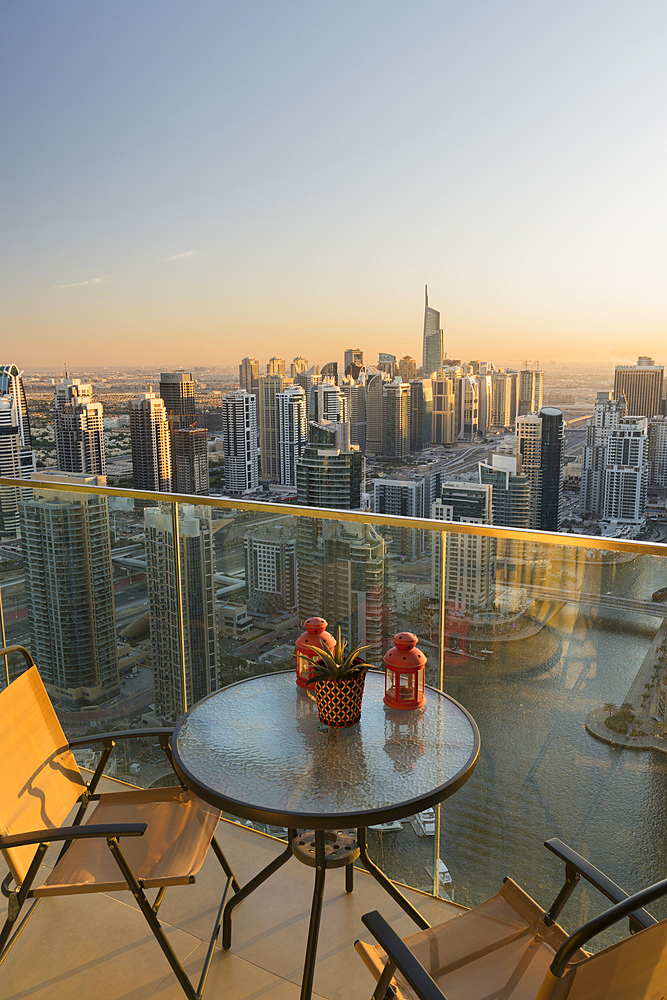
x,y
17,896
400,957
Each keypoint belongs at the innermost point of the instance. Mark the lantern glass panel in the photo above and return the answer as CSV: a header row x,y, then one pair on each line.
x,y
421,682
407,687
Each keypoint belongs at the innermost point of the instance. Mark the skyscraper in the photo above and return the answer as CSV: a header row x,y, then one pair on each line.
x,y
69,588
355,400
270,568
657,448
396,419
267,410
275,366
353,356
327,402
641,384
540,443
374,414
531,391
78,428
607,414
239,415
433,350
10,466
298,365
190,461
466,390
407,368
330,472
177,389
11,384
469,559
485,403
341,568
249,374
510,496
626,472
444,410
200,633
421,413
292,432
151,447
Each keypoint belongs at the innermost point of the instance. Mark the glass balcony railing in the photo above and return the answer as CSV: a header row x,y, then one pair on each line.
x,y
134,606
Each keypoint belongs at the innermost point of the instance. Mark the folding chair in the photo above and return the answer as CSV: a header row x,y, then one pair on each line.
x,y
165,832
509,948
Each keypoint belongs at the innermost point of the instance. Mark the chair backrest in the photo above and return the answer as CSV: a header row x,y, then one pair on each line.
x,y
39,778
633,969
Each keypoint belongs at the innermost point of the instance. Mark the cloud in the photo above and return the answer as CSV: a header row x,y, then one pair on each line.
x,y
180,256
79,284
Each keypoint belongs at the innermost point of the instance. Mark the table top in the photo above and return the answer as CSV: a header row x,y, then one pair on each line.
x,y
258,750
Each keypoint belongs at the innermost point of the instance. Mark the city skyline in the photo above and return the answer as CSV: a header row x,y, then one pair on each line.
x,y
233,177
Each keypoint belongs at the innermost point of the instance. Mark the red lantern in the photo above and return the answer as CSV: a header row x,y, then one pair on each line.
x,y
404,672
315,637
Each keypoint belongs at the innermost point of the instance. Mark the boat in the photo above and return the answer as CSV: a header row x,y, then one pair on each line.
x,y
387,827
444,876
424,823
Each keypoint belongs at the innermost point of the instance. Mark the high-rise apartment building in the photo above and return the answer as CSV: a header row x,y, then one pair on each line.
x,y
177,389
200,633
607,414
433,353
466,390
270,568
292,432
239,415
341,568
78,428
11,384
327,401
626,473
657,450
469,559
444,410
267,411
353,356
510,496
151,445
249,375
396,419
531,391
355,400
540,442
190,461
69,589
330,472
374,414
407,368
10,466
642,385
485,403
275,366
409,494
421,413
298,365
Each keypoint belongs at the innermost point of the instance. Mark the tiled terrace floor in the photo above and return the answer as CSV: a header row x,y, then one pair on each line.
x,y
99,945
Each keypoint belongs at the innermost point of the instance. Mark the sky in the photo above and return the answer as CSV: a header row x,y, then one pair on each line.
x,y
190,183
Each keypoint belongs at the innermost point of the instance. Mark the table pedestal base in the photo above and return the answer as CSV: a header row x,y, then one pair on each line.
x,y
311,848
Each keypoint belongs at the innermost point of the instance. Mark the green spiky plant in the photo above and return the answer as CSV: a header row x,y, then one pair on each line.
x,y
337,665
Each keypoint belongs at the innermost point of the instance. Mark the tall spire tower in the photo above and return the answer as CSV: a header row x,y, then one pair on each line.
x,y
433,353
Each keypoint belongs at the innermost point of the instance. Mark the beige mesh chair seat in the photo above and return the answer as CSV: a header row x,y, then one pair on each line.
x,y
135,840
509,948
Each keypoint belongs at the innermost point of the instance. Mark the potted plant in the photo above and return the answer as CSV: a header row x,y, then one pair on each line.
x,y
338,679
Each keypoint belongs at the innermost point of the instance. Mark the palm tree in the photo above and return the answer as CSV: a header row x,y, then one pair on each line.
x,y
609,708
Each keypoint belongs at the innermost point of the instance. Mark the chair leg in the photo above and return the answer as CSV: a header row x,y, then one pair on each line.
x,y
16,900
150,916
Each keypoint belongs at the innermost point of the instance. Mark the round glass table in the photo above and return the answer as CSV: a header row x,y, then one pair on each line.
x,y
258,750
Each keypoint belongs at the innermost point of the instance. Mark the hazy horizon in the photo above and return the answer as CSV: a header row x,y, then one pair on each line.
x,y
196,184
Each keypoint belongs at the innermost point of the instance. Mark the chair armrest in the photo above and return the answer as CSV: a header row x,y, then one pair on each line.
x,y
575,862
600,923
73,833
402,957
18,649
125,734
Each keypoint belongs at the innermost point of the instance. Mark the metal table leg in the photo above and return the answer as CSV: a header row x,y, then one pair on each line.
x,y
386,884
315,915
245,891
